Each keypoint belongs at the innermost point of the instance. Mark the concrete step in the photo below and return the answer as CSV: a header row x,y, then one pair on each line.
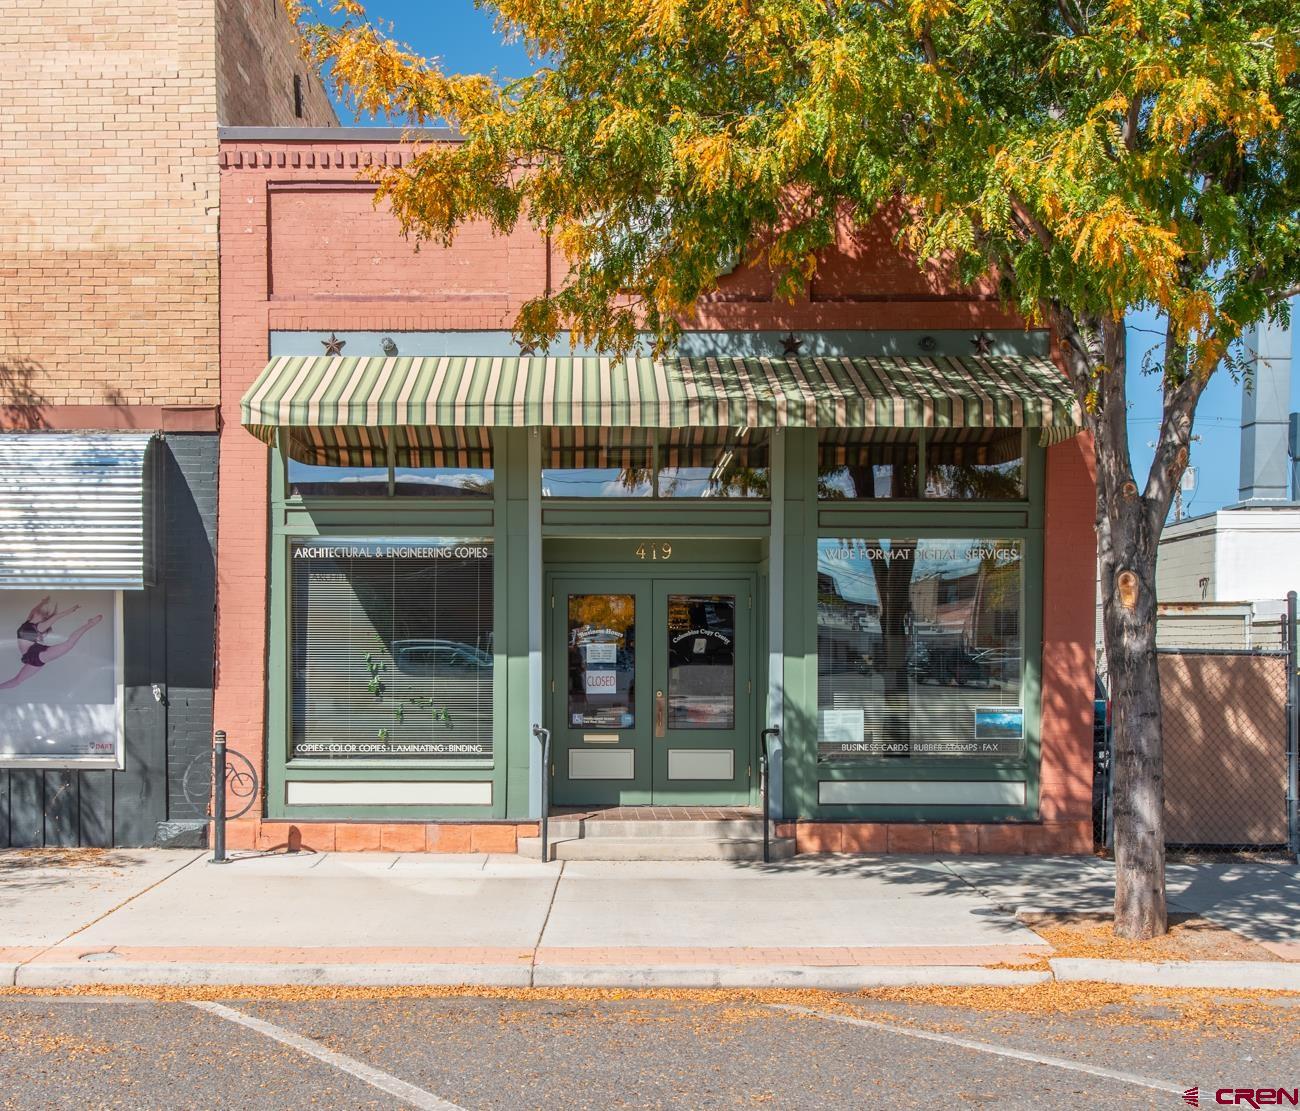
x,y
690,829
657,848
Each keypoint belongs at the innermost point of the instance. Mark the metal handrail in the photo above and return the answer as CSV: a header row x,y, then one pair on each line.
x,y
764,781
543,736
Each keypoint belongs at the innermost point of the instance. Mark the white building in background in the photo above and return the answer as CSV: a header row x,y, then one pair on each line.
x,y
1222,577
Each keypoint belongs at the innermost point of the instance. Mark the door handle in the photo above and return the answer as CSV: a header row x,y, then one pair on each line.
x,y
661,714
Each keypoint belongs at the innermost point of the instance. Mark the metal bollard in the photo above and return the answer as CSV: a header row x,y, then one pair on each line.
x,y
543,736
219,797
765,787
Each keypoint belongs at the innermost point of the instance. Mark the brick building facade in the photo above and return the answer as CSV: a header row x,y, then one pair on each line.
x,y
325,307
109,322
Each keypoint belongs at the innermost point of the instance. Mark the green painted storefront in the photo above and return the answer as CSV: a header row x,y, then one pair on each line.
x,y
761,553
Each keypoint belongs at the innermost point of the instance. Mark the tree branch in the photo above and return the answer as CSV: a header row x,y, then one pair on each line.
x,y
1131,121
1032,224
1173,446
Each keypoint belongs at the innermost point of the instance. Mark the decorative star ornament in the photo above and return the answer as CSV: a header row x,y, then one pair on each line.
x,y
983,343
333,345
790,344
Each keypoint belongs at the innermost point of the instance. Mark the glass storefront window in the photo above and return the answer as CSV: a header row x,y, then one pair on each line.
x,y
307,480
602,661
61,677
391,648
442,482
712,463
867,463
701,661
425,463
952,463
972,464
919,650
598,463
655,463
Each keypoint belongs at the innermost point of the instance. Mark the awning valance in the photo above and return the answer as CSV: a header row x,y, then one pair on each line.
x,y
73,510
354,400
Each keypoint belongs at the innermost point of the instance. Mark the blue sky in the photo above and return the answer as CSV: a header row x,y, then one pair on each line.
x,y
465,39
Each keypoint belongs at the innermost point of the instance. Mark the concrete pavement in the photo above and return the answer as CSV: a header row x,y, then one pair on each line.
x,y
1049,1049
388,918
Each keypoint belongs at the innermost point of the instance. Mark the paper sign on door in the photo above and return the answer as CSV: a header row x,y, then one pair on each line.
x,y
602,682
602,653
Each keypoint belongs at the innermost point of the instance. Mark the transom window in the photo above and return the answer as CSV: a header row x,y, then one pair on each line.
x,y
655,463
399,462
959,464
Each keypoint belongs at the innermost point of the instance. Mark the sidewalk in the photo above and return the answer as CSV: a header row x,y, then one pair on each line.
x,y
172,917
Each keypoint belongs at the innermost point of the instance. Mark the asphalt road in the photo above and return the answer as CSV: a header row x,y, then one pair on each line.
x,y
1120,1048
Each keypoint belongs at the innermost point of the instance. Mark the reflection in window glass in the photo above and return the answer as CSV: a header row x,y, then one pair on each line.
x,y
392,649
867,463
428,462
663,463
713,463
701,661
442,482
919,649
602,661
598,463
974,463
309,481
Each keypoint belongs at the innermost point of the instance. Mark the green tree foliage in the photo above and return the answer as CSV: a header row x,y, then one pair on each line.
x,y
1087,158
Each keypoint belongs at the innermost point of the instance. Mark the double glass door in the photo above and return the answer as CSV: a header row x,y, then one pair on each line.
x,y
651,690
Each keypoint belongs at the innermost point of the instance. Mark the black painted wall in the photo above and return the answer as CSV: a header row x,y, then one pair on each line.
x,y
168,642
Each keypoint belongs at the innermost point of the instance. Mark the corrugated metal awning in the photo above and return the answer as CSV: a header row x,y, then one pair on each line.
x,y
343,407
73,510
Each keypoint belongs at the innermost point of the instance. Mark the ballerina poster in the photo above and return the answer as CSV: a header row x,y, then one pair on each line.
x,y
59,679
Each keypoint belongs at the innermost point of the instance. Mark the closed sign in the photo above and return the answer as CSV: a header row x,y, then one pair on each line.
x,y
602,682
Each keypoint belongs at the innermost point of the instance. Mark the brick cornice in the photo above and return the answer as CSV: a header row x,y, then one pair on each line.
x,y
311,156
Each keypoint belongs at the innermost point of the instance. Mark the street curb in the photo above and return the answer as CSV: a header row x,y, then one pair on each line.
x,y
271,975
1230,975
1241,975
838,978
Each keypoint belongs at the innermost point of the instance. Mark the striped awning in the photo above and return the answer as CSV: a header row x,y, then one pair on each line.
x,y
74,510
331,403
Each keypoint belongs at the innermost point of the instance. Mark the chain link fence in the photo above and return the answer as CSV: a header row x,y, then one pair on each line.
x,y
1228,690
1225,742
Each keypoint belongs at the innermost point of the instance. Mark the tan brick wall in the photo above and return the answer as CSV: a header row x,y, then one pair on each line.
x,y
108,198
257,59
108,193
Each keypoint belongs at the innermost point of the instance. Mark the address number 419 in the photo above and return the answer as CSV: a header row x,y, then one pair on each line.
x,y
654,551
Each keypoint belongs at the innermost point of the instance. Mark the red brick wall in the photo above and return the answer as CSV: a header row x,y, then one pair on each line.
x,y
329,241
1069,637
257,59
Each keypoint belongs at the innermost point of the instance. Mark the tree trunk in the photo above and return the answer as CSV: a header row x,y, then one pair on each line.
x,y
1128,526
1130,635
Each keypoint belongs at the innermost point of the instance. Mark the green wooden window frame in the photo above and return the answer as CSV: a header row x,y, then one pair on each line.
x,y
808,520
345,517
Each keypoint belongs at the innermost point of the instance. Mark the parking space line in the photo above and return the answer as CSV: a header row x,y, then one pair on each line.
x,y
987,1047
376,1078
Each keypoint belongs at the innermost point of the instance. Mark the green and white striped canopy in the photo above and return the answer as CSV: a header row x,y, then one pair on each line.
x,y
342,409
